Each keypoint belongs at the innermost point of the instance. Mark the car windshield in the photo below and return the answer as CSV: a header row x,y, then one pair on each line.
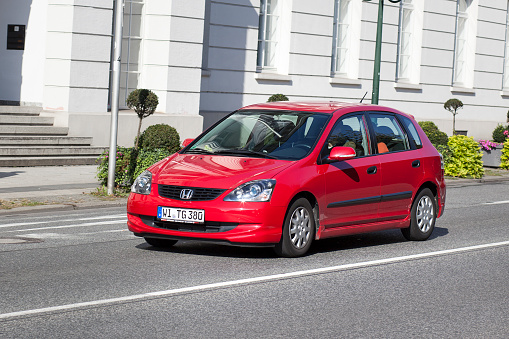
x,y
284,135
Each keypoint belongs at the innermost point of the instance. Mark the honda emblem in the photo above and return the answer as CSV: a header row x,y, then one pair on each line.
x,y
186,194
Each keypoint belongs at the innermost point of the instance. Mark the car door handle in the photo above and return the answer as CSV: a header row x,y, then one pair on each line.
x,y
416,163
371,170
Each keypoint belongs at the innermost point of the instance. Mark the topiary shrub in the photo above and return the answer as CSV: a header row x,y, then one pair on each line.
x,y
436,136
453,105
160,136
144,102
466,158
498,133
504,158
278,97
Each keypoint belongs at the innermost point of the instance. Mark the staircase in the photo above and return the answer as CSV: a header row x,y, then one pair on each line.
x,y
27,139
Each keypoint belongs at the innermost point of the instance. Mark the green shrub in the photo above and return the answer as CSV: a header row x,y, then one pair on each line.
x,y
446,152
160,136
504,158
466,159
498,133
278,97
144,102
436,136
124,166
147,158
130,163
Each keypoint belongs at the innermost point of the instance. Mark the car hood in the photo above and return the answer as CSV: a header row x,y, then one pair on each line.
x,y
225,172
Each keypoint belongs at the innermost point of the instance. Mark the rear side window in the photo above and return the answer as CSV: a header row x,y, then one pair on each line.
x,y
413,135
350,132
389,134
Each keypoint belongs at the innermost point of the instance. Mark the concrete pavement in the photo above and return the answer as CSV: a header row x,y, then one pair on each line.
x,y
33,189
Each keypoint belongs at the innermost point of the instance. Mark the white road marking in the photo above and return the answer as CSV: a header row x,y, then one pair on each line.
x,y
497,202
233,283
117,216
110,222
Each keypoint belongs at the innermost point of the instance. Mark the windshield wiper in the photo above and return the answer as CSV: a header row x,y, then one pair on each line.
x,y
198,151
246,153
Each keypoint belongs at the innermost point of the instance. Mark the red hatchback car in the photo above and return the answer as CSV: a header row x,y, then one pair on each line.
x,y
284,174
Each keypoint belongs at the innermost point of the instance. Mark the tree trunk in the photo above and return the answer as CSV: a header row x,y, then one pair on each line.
x,y
453,124
138,135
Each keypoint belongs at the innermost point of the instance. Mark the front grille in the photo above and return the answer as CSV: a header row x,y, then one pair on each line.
x,y
199,194
207,227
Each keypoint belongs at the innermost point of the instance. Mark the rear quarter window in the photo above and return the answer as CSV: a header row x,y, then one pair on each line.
x,y
413,134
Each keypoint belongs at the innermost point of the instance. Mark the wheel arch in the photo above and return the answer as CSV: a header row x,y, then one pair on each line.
x,y
314,205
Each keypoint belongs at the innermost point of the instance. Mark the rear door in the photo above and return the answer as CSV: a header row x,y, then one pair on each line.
x,y
401,170
352,186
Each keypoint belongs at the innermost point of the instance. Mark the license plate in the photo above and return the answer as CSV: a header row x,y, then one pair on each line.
x,y
190,216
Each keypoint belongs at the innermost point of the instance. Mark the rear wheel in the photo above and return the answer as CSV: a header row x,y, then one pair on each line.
x,y
160,242
423,216
298,230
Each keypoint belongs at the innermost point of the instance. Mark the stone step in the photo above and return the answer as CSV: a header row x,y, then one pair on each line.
x,y
37,140
32,110
22,120
50,151
32,130
46,161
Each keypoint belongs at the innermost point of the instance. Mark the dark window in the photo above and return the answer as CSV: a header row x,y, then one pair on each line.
x,y
349,132
16,37
389,134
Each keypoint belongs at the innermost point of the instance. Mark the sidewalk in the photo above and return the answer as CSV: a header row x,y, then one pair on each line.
x,y
32,189
41,189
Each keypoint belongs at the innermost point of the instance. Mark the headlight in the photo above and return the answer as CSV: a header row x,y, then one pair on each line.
x,y
143,183
259,190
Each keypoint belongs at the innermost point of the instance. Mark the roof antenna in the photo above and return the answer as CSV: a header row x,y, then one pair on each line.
x,y
364,96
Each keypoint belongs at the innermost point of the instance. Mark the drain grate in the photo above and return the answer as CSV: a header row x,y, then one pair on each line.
x,y
16,240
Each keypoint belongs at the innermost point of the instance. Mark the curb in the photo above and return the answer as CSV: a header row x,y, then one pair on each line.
x,y
62,207
472,182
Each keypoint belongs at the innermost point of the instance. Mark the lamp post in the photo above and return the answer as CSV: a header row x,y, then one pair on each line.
x,y
115,87
378,51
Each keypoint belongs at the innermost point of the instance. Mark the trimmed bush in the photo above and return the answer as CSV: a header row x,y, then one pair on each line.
x,y
148,157
498,133
160,136
504,158
466,158
144,102
278,97
436,136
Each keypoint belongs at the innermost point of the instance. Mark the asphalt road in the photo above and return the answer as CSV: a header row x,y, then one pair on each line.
x,y
82,274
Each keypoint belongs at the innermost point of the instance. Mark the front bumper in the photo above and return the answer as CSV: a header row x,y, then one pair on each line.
x,y
251,223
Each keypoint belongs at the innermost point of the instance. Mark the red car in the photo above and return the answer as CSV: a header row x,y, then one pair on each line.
x,y
285,174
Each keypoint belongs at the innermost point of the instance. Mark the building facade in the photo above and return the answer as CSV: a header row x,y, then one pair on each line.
x,y
206,58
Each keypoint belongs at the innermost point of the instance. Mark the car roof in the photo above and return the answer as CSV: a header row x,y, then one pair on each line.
x,y
318,106
314,106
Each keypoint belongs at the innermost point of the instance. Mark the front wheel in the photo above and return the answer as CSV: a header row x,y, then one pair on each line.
x,y
156,242
423,216
298,230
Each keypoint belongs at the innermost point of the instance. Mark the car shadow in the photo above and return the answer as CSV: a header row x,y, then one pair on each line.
x,y
214,250
348,242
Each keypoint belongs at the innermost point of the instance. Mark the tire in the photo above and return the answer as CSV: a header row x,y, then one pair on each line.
x,y
298,230
156,242
423,216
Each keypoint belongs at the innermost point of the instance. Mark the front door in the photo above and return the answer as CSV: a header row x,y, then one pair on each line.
x,y
352,186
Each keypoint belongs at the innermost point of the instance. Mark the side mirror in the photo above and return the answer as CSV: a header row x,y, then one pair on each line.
x,y
340,153
186,142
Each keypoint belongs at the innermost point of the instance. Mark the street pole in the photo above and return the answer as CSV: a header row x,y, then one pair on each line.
x,y
378,54
115,89
378,51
